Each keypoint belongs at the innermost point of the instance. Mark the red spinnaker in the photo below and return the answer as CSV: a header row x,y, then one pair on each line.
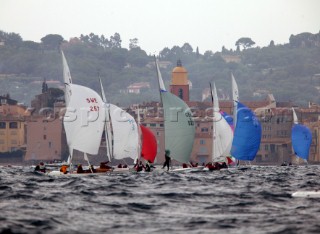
x,y
149,144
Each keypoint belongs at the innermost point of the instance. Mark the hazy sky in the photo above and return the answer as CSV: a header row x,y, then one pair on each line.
x,y
208,24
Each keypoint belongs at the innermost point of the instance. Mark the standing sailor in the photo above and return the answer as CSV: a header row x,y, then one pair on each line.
x,y
167,159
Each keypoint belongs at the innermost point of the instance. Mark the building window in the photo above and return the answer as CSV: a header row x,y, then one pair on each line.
x,y
50,144
152,125
2,125
204,129
272,148
13,125
202,142
44,137
266,147
180,93
158,133
203,150
161,125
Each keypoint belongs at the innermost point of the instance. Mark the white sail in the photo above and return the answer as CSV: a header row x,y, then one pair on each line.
x,y
139,135
66,79
295,118
160,80
125,134
107,126
235,98
84,119
222,132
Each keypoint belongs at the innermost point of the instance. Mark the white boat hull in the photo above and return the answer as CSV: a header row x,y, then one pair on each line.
x,y
311,194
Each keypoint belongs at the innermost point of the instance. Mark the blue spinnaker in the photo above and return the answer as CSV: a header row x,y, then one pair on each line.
x,y
247,134
301,140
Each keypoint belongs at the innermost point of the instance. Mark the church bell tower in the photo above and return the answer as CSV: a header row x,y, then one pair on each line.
x,y
180,82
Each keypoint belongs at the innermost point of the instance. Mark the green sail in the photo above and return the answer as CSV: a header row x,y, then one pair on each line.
x,y
178,127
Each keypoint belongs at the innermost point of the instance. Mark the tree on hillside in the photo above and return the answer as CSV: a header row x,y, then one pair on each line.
x,y
104,41
31,45
304,39
223,50
84,38
245,42
94,39
12,39
137,57
133,43
271,43
208,54
187,48
115,41
164,53
52,41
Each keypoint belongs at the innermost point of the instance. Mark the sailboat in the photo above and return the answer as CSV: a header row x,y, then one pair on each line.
x,y
247,134
84,118
179,129
222,131
301,138
122,135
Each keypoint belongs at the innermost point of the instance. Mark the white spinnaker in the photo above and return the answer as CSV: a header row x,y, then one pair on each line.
x,y
84,119
125,134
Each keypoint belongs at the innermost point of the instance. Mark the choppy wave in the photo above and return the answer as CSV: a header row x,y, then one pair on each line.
x,y
257,200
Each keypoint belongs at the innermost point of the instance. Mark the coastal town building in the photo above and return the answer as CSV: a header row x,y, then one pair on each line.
x,y
13,122
179,82
45,134
136,88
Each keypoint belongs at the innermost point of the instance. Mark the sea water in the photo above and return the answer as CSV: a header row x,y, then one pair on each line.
x,y
257,200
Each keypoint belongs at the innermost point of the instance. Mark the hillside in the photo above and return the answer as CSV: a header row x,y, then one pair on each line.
x,y
288,71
